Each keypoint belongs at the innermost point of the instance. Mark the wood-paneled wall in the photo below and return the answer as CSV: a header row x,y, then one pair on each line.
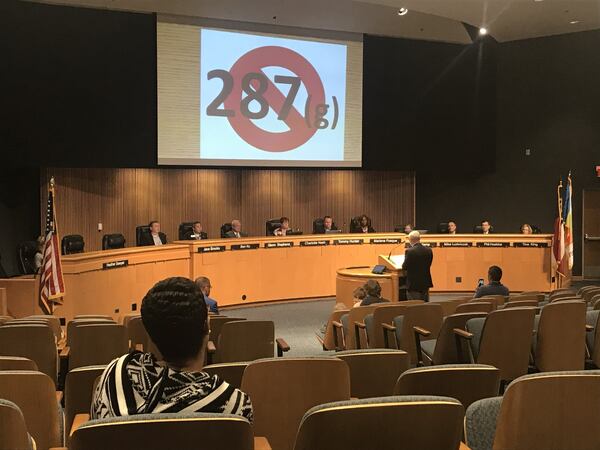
x,y
121,199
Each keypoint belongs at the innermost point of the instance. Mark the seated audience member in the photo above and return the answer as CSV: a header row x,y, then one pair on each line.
x,y
283,228
175,315
408,228
196,233
486,227
153,236
452,227
526,229
358,295
236,230
328,224
363,225
205,286
38,258
373,290
494,287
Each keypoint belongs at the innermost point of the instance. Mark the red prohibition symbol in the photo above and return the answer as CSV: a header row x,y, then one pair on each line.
x,y
254,61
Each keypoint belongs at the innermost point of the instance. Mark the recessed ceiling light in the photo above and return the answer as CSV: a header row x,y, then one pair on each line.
x,y
402,11
538,1
573,22
483,31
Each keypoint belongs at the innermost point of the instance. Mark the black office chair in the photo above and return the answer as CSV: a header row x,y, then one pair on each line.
x,y
26,257
112,241
72,243
139,231
271,225
318,227
225,228
3,273
442,228
185,228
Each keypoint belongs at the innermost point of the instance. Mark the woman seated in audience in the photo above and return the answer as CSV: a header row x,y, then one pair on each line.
x,y
359,295
526,229
175,315
283,228
373,290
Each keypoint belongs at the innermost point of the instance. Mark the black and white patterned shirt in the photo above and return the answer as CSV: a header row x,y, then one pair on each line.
x,y
136,384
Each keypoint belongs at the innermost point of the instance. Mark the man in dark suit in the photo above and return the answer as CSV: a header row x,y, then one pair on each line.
x,y
236,230
153,236
417,264
196,233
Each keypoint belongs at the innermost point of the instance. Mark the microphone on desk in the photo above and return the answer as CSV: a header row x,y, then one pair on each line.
x,y
394,248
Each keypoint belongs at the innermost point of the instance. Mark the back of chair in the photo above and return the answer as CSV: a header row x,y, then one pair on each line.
x,y
521,304
561,337
215,325
465,382
427,315
357,314
17,363
13,430
373,373
79,392
557,410
560,295
35,342
230,372
587,295
246,340
26,257
38,321
137,334
83,320
484,307
283,389
506,341
97,344
139,232
328,339
113,241
165,431
72,243
35,395
318,227
538,297
53,321
92,317
271,225
384,314
445,345
404,422
185,230
225,228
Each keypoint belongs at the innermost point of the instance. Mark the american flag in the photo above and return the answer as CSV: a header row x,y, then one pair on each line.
x,y
52,286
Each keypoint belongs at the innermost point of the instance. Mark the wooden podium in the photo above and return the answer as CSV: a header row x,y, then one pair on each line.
x,y
398,277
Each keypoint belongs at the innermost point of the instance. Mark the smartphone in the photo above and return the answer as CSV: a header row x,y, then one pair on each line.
x,y
480,282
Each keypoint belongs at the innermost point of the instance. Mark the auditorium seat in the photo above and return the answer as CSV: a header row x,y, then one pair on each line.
x,y
3,273
127,317
284,389
497,300
559,341
96,344
92,316
35,395
25,256
373,373
246,340
592,321
441,348
470,307
355,315
465,382
54,322
139,231
4,319
373,322
201,431
113,241
521,304
230,372
427,316
78,396
553,410
38,321
215,325
84,321
402,422
594,302
502,339
137,334
589,294
17,363
71,244
13,430
35,342
225,228
334,336
271,225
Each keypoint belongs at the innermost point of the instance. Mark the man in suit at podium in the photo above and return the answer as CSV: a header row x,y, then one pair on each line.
x,y
153,236
417,264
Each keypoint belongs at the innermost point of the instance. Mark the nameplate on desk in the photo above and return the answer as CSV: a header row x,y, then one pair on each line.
x,y
244,246
456,244
531,244
386,241
279,244
493,244
211,249
115,264
348,241
317,243
429,244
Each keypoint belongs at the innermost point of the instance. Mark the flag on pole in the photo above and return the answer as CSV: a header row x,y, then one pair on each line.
x,y
568,224
558,241
52,287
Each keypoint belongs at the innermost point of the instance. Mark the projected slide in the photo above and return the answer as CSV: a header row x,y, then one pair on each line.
x,y
261,99
271,98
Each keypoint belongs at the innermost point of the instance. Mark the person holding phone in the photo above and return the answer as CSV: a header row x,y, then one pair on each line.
x,y
494,286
